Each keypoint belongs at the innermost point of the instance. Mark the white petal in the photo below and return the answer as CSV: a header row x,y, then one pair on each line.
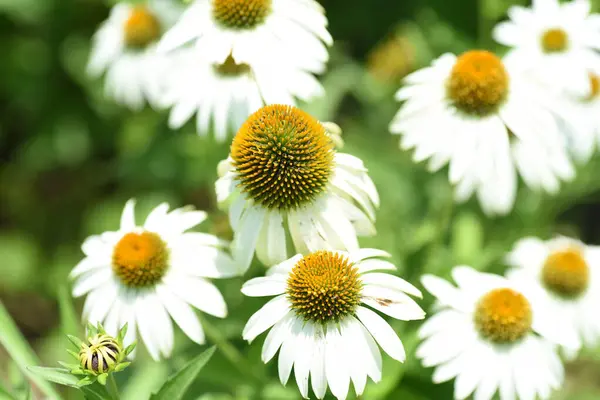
x,y
276,336
318,377
382,332
271,246
391,302
182,314
265,286
199,293
446,293
390,281
336,367
91,280
266,317
128,216
246,236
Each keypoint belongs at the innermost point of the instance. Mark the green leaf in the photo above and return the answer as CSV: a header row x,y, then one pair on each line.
x,y
176,386
92,391
69,321
21,352
62,376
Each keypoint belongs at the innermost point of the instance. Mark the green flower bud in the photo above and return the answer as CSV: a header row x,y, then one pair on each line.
x,y
100,354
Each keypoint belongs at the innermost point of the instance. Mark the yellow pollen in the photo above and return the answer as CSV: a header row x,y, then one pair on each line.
x,y
241,14
140,259
478,83
503,316
230,68
323,287
283,157
141,28
566,273
554,41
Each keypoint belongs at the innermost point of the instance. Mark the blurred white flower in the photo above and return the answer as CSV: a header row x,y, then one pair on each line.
x,y
284,178
478,114
146,275
492,335
294,31
319,320
228,93
125,48
556,42
582,129
567,274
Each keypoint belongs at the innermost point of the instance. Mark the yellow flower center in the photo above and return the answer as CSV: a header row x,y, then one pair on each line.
x,y
554,40
283,157
566,273
140,259
478,83
324,287
141,28
503,316
230,68
241,14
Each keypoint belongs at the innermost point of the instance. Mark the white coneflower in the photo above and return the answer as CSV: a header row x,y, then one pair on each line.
x,y
482,117
227,93
319,322
557,42
492,335
284,177
146,275
254,30
125,48
567,273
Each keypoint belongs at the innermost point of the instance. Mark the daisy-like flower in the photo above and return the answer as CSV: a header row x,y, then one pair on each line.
x,y
284,177
492,335
228,93
582,130
479,114
251,30
566,272
125,48
146,275
319,322
558,42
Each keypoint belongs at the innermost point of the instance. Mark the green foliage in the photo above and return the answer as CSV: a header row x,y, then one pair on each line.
x,y
176,386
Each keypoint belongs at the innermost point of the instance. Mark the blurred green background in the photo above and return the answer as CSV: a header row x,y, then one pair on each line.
x,y
71,158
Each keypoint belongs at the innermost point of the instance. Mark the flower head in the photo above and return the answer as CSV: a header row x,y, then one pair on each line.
x,y
474,112
251,31
565,273
124,47
284,166
224,94
145,275
492,335
320,321
554,41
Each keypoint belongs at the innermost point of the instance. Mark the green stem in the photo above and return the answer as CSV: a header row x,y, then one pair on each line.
x,y
113,388
231,352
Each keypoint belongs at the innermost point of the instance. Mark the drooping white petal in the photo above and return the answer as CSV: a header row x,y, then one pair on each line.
x,y
336,366
382,332
182,314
